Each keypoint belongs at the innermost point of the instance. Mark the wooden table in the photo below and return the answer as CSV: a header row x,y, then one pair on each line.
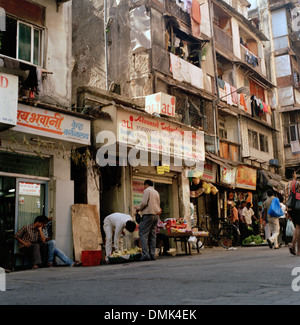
x,y
184,237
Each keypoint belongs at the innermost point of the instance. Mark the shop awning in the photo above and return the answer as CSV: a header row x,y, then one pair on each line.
x,y
220,161
270,179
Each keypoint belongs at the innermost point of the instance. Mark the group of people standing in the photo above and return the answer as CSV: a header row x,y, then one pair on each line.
x,y
278,224
243,216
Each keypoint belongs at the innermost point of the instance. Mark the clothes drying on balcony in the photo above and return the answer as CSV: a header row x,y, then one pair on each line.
x,y
251,59
196,18
221,83
234,95
258,107
243,102
228,94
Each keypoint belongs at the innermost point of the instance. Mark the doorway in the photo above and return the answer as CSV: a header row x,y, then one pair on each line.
x,y
166,202
31,201
21,201
165,191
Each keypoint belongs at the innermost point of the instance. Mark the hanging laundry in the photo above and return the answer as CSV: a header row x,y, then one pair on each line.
x,y
39,80
265,107
187,6
243,102
234,95
253,105
228,93
195,18
196,12
269,110
221,83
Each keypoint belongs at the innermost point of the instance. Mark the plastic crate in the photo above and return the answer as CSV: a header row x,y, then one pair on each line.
x,y
91,258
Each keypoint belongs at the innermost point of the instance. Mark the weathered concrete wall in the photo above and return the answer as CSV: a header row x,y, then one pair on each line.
x,y
127,71
56,87
88,45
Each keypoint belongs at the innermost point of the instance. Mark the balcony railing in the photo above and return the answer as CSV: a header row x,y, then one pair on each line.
x,y
223,39
251,59
172,7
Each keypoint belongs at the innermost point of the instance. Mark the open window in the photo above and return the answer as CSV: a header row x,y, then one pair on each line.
x,y
183,45
291,123
22,41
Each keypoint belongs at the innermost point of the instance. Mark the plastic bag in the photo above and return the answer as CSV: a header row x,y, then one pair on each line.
x,y
289,231
192,239
275,209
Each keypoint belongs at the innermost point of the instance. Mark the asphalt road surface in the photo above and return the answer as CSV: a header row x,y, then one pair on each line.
x,y
250,275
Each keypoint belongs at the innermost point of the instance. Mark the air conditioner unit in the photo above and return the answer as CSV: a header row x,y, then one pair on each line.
x,y
273,162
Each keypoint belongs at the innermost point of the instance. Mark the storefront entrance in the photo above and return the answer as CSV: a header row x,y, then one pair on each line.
x,y
21,200
166,202
165,190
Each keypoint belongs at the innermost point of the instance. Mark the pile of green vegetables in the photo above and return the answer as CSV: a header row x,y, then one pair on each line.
x,y
252,240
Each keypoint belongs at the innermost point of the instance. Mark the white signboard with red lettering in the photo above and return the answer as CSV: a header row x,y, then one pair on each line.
x,y
8,98
33,189
152,133
52,124
160,103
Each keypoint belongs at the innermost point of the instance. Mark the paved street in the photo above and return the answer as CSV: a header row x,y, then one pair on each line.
x,y
254,275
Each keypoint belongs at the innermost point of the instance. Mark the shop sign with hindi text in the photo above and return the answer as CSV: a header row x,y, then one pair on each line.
x,y
246,177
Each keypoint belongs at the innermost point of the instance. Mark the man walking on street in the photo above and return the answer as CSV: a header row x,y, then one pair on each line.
x,y
272,221
150,208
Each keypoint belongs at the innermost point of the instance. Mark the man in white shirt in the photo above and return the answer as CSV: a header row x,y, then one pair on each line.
x,y
272,221
113,225
248,214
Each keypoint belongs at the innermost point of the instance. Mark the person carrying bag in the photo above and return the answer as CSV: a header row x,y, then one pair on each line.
x,y
275,208
293,205
293,201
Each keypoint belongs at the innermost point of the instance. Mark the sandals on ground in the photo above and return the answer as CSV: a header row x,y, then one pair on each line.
x,y
77,264
292,250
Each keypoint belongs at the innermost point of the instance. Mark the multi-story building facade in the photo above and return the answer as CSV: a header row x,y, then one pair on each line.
x,y
38,128
206,54
281,19
245,118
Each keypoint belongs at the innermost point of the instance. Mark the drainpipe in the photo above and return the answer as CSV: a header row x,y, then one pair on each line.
x,y
105,41
214,103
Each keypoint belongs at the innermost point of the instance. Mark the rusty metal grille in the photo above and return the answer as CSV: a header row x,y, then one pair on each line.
x,y
191,108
